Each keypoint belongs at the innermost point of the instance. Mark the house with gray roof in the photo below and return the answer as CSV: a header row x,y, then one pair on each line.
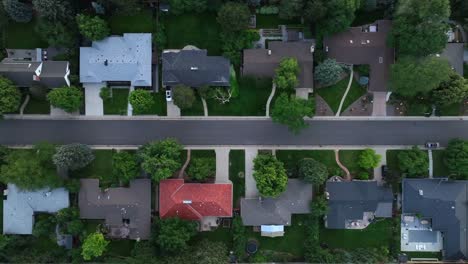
x,y
27,67
454,53
119,59
20,206
126,211
263,62
194,68
272,214
442,204
355,204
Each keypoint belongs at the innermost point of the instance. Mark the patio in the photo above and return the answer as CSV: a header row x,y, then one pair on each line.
x,y
417,235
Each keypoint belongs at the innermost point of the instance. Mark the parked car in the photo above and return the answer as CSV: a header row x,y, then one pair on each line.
x,y
432,145
168,95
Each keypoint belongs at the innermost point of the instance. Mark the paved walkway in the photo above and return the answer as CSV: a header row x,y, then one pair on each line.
x,y
25,103
272,94
93,102
337,159
378,170
129,105
205,107
250,184
172,109
222,165
186,163
379,107
346,92
321,107
431,164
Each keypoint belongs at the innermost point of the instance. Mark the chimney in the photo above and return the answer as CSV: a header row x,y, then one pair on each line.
x,y
312,49
106,62
269,52
194,68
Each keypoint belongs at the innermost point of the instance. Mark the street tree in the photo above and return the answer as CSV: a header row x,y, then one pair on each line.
x,y
92,28
54,10
368,159
94,246
141,101
18,11
290,111
161,158
414,162
328,72
10,96
270,175
69,99
173,234
233,17
286,74
73,156
312,171
183,96
456,159
411,76
202,168
289,9
124,166
419,28
452,91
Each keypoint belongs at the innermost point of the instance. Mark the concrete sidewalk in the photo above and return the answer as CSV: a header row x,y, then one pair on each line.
x,y
251,190
93,102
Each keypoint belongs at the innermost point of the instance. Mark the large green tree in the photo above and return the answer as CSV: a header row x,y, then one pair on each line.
x,y
94,246
234,17
339,16
286,74
368,159
234,42
73,156
54,10
312,171
315,10
452,91
420,27
456,159
290,111
123,7
414,162
69,99
289,9
411,76
92,28
125,166
10,96
328,72
173,234
161,158
56,33
183,96
18,11
202,168
31,169
141,101
188,6
270,175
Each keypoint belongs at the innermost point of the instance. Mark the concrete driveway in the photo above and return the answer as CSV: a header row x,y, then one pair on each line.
x,y
93,102
222,165
251,190
379,108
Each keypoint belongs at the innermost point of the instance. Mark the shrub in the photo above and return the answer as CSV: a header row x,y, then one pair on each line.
x,y
268,10
69,99
141,101
183,96
328,72
202,168
363,175
105,93
92,28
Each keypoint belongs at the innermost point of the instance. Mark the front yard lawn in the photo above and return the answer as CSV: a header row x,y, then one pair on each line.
x,y
138,23
200,30
440,170
118,104
251,101
159,105
196,109
290,158
377,234
350,159
333,94
37,106
23,36
273,21
237,175
449,110
100,168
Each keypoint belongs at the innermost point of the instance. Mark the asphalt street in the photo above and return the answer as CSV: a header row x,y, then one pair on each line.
x,y
230,132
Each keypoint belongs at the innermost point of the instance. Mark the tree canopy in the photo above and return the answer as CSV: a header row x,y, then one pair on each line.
x,y
54,10
456,159
186,6
338,16
183,96
141,101
290,111
328,72
368,159
161,158
289,9
411,76
92,28
94,246
452,91
286,74
202,168
18,11
233,17
270,175
173,234
420,27
56,33
414,162
234,42
10,96
73,156
125,166
69,99
312,171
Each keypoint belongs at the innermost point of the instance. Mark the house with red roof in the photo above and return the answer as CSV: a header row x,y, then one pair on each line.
x,y
204,202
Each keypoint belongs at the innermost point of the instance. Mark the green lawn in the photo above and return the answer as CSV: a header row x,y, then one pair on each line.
x,y
138,23
122,247
333,94
290,158
273,21
159,105
252,99
196,109
118,104
100,168
440,170
392,161
236,169
378,234
465,70
449,110
23,36
37,106
218,235
201,30
350,158
292,242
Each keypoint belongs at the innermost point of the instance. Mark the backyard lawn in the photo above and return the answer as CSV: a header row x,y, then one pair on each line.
x,y
118,104
273,21
251,101
37,106
23,36
237,174
138,23
378,234
218,235
440,170
201,30
333,94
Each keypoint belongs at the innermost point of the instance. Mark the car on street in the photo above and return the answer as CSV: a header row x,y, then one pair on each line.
x,y
168,95
432,145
